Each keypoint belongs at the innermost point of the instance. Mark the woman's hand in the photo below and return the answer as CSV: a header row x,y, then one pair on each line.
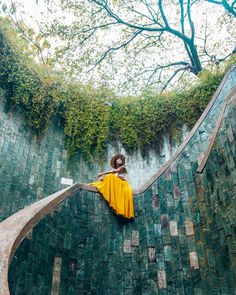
x,y
121,169
100,174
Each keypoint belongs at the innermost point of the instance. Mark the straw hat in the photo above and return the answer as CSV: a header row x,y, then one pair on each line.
x,y
113,159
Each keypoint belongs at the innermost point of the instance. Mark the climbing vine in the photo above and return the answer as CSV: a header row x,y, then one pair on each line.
x,y
141,121
25,86
94,117
86,115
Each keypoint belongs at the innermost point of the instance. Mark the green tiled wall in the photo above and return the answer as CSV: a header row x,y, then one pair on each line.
x,y
182,240
32,167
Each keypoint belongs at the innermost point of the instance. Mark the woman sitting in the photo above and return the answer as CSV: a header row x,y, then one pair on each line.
x,y
114,187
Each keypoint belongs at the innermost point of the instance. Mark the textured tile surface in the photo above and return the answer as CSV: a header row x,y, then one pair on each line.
x,y
182,240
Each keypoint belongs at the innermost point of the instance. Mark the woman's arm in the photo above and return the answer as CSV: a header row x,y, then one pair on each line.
x,y
104,173
122,174
108,172
121,169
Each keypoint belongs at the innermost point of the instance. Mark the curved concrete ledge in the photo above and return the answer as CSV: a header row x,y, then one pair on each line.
x,y
142,189
163,168
230,97
16,227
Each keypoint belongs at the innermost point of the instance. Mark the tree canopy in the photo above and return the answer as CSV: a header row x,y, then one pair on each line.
x,y
135,44
229,6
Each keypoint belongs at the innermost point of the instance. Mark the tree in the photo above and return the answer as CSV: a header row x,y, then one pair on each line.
x,y
230,6
141,27
145,27
157,23
139,42
37,41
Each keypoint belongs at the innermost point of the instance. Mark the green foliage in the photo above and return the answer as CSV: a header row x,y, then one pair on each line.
x,y
190,104
86,115
140,122
93,117
25,87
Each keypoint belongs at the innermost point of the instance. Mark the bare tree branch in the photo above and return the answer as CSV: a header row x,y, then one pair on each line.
x,y
229,8
190,20
212,58
160,68
112,49
188,42
31,40
215,1
99,27
173,75
131,8
143,27
149,44
163,14
152,12
181,3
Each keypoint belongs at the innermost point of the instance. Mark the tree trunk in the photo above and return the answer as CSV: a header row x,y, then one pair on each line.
x,y
195,66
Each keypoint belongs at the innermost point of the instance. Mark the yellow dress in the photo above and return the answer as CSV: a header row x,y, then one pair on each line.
x,y
118,194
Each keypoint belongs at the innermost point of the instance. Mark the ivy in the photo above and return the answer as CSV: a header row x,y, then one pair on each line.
x,y
86,118
91,117
25,87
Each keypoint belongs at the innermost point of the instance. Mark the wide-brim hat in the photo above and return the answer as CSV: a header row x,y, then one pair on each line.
x,y
113,159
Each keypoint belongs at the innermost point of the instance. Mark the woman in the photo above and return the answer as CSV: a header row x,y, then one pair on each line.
x,y
114,187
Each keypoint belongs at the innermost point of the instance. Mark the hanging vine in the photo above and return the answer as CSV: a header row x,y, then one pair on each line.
x,y
94,117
